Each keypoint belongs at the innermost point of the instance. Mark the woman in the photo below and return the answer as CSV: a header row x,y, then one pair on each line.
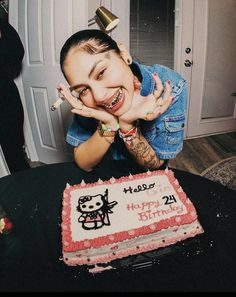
x,y
135,111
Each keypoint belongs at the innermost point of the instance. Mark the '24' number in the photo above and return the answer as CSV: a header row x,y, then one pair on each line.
x,y
169,199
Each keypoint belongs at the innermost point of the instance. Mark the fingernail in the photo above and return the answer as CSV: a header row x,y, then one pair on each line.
x,y
172,99
155,74
168,81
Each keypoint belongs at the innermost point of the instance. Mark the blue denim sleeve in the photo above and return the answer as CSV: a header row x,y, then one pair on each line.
x,y
166,133
80,130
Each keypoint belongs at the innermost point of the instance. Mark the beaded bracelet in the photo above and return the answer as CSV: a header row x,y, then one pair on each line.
x,y
129,136
130,132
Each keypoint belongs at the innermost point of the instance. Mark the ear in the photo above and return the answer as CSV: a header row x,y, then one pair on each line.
x,y
125,55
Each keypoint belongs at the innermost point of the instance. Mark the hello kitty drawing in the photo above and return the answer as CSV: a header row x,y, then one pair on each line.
x,y
94,211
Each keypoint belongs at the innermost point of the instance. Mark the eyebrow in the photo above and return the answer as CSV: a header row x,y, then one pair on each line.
x,y
71,88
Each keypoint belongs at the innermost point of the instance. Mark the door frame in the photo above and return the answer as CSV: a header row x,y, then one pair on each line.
x,y
184,13
199,127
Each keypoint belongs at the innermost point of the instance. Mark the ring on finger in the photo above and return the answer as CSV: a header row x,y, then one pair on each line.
x,y
146,117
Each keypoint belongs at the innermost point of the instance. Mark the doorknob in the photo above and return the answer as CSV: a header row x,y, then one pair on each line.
x,y
188,63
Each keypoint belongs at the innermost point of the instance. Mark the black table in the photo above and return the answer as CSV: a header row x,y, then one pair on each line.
x,y
30,257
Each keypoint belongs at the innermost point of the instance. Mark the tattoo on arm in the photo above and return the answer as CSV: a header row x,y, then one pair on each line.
x,y
153,162
143,153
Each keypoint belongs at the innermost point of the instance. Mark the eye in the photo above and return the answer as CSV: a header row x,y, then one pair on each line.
x,y
100,74
98,203
83,206
82,92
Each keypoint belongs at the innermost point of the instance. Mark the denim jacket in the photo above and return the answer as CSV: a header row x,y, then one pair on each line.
x,y
165,134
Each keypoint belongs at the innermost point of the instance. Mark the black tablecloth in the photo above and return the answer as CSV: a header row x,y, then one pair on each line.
x,y
30,257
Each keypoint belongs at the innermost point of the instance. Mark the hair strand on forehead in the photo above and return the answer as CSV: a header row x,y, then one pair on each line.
x,y
94,47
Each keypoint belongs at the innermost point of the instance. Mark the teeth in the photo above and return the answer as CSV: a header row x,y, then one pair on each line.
x,y
114,101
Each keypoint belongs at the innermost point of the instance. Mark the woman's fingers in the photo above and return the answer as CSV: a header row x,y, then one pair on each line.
x,y
166,94
162,102
79,108
85,112
65,92
97,114
159,86
165,101
150,116
166,98
166,105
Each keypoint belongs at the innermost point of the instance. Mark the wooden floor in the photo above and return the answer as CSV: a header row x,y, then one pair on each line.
x,y
200,153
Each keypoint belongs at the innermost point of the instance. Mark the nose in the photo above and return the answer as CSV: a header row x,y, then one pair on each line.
x,y
99,93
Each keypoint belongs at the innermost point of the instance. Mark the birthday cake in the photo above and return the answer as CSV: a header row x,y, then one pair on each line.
x,y
117,218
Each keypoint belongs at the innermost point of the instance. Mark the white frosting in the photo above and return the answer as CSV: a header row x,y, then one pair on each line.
x,y
140,202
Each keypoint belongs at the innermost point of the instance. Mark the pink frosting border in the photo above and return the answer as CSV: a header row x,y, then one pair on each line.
x,y
70,246
131,251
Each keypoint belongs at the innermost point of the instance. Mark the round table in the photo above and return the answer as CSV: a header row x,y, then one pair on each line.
x,y
30,256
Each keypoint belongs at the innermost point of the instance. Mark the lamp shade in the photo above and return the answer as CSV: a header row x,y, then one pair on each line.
x,y
106,18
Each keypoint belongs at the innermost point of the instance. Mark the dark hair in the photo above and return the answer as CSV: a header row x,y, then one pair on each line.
x,y
92,41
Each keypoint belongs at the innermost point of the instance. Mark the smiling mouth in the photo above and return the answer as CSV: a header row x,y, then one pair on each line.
x,y
116,102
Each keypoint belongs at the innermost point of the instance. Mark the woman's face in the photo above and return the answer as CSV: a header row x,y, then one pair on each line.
x,y
101,80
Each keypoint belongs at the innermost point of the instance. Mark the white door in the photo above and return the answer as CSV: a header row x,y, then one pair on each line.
x,y
43,26
212,107
204,53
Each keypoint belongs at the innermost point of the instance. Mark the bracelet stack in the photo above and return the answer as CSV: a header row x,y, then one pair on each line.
x,y
129,136
107,132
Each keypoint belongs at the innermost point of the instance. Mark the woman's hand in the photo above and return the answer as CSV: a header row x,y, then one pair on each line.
x,y
151,106
79,108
